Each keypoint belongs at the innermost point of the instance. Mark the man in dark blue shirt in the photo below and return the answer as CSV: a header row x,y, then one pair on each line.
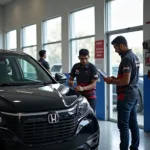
x,y
127,92
86,75
42,61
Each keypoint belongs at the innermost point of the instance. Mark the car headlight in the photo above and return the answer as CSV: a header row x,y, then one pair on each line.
x,y
2,120
83,108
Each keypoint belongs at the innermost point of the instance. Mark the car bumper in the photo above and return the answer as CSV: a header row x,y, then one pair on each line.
x,y
86,137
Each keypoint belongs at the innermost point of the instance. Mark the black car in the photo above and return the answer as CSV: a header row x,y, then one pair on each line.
x,y
37,111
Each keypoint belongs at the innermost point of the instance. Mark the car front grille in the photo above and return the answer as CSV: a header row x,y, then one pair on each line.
x,y
37,130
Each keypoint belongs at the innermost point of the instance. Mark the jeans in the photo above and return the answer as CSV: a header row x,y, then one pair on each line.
x,y
127,119
92,103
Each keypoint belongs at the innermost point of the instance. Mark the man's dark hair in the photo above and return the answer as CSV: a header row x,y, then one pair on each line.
x,y
42,53
83,52
119,40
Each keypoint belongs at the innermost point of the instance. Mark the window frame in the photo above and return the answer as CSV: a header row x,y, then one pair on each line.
x,y
71,22
22,37
6,40
107,6
43,29
51,43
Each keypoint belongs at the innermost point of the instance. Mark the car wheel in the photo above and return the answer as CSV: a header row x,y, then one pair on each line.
x,y
139,104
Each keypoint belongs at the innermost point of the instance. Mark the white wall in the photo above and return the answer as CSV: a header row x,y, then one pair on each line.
x,y
25,12
1,27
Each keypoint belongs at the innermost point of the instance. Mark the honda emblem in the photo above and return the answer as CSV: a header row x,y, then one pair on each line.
x,y
53,118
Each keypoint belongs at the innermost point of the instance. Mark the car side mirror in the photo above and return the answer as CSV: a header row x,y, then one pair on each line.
x,y
60,77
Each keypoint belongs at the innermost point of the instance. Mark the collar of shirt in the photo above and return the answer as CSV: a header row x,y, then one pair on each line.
x,y
86,66
41,59
125,53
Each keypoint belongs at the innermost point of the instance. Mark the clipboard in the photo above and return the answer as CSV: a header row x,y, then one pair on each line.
x,y
102,73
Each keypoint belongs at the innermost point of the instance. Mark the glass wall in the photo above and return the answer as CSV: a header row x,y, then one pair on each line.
x,y
29,40
11,40
52,43
82,33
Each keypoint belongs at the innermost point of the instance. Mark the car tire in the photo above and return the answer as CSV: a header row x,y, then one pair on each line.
x,y
140,103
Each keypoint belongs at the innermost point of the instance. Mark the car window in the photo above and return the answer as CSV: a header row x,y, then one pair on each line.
x,y
56,68
10,69
29,71
22,69
5,69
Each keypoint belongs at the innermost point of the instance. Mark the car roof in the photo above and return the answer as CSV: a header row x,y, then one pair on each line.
x,y
3,51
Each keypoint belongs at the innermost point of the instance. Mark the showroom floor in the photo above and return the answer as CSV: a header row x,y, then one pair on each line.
x,y
110,137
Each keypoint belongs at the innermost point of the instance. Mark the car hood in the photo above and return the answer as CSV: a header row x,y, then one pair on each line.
x,y
36,98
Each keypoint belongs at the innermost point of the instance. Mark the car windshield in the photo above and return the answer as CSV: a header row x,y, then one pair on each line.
x,y
18,69
56,68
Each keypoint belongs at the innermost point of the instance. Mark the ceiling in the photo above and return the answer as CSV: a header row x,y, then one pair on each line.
x,y
4,2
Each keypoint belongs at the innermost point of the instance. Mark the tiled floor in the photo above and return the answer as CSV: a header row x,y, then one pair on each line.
x,y
109,137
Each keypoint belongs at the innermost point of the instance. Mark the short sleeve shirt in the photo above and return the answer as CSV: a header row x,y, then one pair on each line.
x,y
84,76
129,64
44,63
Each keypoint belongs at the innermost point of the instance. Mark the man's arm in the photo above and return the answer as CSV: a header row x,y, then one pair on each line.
x,y
125,79
90,86
70,81
87,88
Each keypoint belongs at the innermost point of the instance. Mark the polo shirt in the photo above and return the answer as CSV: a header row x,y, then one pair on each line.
x,y
129,64
84,76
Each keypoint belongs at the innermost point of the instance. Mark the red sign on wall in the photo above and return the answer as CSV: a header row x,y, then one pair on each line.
x,y
99,49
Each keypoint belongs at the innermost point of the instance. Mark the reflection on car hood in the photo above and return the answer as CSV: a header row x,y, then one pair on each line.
x,y
35,98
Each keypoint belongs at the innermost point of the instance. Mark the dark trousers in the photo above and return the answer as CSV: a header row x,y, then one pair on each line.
x,y
92,103
127,119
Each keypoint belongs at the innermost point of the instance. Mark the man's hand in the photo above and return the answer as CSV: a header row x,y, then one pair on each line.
x,y
113,77
71,83
79,88
108,80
